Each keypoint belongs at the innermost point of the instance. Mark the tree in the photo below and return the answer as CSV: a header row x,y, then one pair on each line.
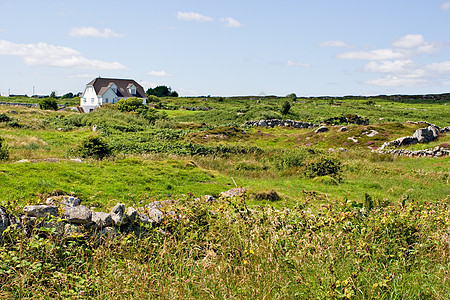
x,y
162,91
68,95
53,94
285,108
48,103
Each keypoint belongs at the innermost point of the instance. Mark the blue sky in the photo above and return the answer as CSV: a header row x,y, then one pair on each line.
x,y
224,48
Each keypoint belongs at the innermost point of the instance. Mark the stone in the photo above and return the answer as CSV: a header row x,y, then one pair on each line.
x,y
78,214
426,135
131,214
4,220
262,123
71,229
233,192
118,215
141,218
342,129
209,198
322,129
71,201
372,133
101,219
40,211
155,215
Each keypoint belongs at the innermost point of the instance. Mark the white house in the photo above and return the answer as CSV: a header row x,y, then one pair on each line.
x,y
109,90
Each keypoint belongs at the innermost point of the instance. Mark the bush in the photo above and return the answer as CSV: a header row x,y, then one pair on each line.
x,y
153,99
285,108
94,146
48,103
130,104
324,166
4,118
4,152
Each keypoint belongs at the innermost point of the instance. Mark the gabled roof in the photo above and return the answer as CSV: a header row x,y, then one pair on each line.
x,y
101,85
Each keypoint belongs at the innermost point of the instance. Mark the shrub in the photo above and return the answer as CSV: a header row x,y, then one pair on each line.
x,y
94,146
153,99
4,118
269,196
4,152
48,103
323,166
130,104
285,108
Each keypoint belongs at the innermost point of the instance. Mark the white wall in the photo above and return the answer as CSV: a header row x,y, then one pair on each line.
x,y
89,99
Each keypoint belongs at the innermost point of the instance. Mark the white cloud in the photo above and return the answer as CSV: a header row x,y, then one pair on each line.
x,y
409,41
445,6
389,66
335,44
94,32
42,54
191,16
379,54
396,81
442,67
159,74
230,22
297,64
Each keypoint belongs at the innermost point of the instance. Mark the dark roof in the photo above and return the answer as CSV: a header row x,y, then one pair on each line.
x,y
101,84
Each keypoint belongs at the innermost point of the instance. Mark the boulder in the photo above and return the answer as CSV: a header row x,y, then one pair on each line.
x,y
4,220
426,135
322,129
131,214
78,214
118,215
101,219
233,192
64,200
40,211
342,129
155,215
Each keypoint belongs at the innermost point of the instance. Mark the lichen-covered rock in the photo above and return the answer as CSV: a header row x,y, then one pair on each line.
x,y
426,135
101,219
118,215
64,200
322,129
40,211
155,215
131,214
78,214
233,192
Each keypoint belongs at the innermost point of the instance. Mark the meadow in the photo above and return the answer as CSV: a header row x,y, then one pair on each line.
x,y
349,223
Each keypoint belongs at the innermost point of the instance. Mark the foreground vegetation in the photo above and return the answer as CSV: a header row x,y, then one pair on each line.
x,y
315,222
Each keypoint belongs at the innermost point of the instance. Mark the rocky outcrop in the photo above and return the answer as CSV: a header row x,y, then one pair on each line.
x,y
322,129
422,135
276,123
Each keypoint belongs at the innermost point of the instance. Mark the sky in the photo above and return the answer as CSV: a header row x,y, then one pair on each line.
x,y
228,48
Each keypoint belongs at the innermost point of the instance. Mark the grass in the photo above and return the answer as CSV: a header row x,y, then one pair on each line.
x,y
368,226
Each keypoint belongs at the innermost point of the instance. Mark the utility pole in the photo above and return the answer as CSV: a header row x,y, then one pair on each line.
x,y
33,91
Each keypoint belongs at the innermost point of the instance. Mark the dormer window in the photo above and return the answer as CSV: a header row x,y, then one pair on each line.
x,y
132,89
113,86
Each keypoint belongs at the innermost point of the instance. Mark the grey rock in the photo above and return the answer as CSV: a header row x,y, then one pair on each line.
x,y
155,215
141,218
209,198
71,229
4,220
78,214
426,135
372,133
40,211
71,201
101,219
233,192
322,129
118,215
131,214
342,129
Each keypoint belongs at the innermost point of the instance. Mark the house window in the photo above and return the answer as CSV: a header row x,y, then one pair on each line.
x,y
84,100
106,100
92,100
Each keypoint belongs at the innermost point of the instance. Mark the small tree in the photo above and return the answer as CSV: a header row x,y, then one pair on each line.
x,y
53,94
94,146
285,108
48,103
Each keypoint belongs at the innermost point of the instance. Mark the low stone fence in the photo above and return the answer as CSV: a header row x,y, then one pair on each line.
x,y
435,152
275,123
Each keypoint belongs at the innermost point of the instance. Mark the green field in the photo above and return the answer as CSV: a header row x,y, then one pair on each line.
x,y
347,224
